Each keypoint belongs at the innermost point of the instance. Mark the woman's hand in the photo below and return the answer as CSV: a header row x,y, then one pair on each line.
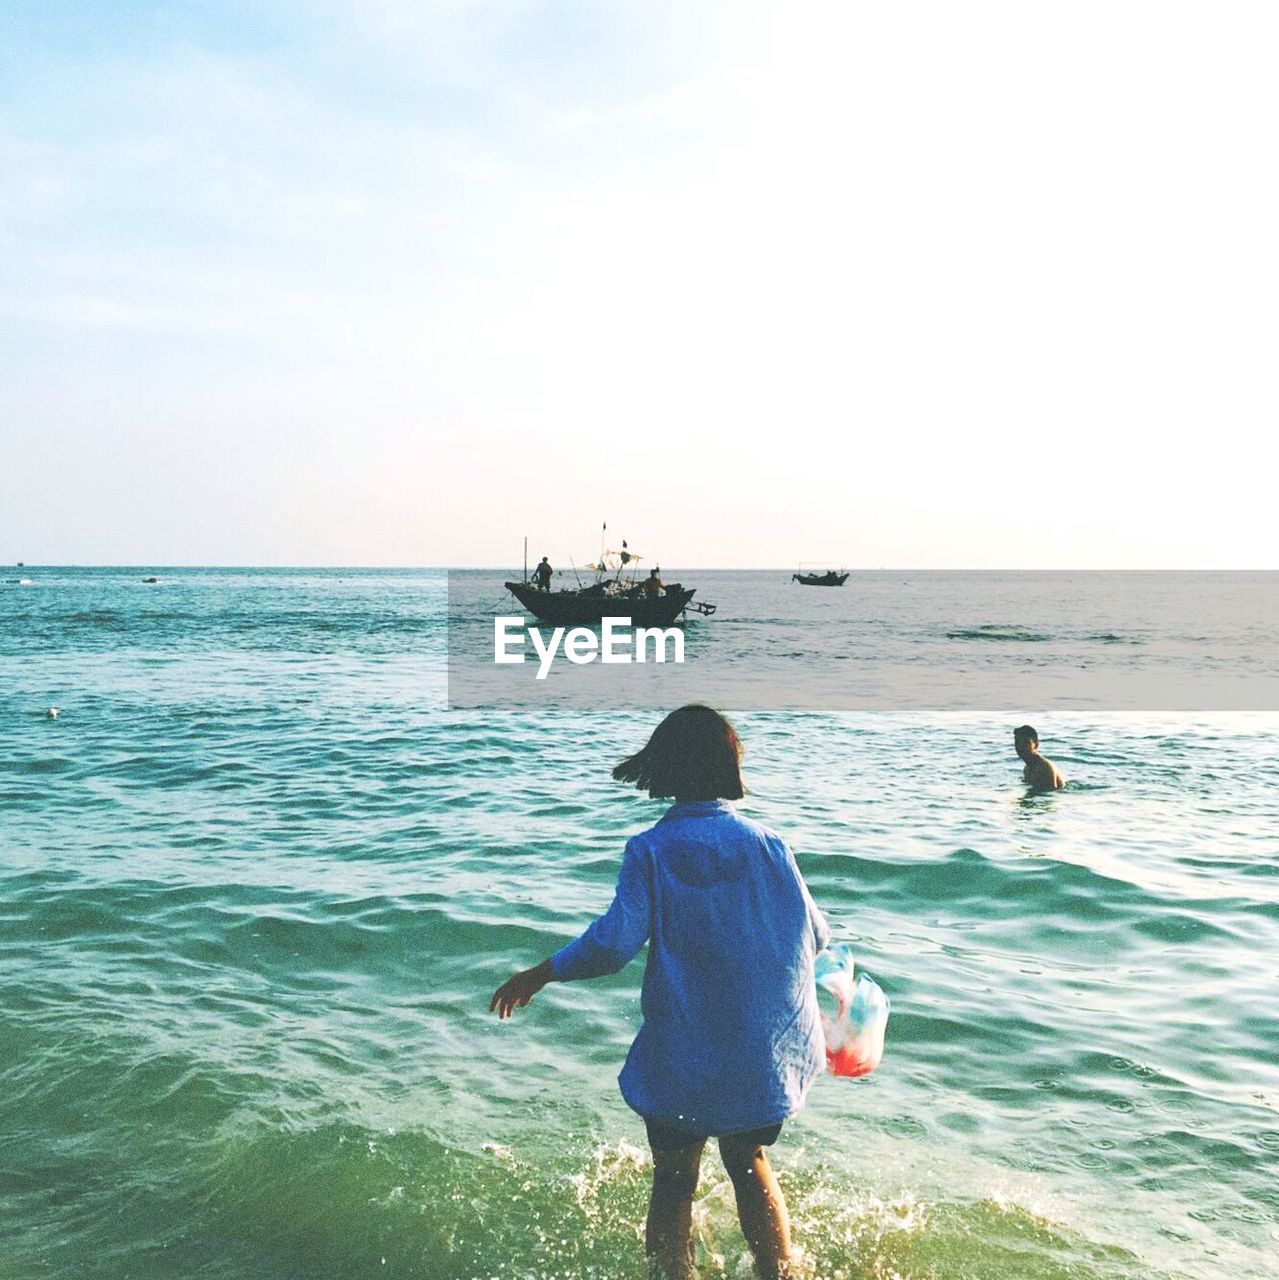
x,y
518,990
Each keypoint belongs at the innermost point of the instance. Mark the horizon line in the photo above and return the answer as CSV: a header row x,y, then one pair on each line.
x,y
703,568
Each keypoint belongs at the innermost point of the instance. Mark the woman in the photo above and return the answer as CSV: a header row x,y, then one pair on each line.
x,y
731,1039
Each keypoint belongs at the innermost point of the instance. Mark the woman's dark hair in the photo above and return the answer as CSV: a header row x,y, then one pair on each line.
x,y
694,754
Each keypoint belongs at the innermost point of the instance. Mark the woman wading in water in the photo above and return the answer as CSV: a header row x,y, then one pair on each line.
x,y
731,1038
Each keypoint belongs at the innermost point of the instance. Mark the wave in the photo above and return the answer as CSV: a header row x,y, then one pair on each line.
x,y
1020,635
991,632
346,1200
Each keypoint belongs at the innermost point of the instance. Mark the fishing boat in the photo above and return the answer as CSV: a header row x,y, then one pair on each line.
x,y
828,579
616,591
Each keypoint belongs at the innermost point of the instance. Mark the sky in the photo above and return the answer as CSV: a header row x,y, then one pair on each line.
x,y
400,282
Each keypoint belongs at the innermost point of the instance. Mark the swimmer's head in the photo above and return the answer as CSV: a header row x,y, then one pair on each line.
x,y
1025,741
694,754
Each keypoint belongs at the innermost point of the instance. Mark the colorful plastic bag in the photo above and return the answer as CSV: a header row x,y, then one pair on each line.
x,y
855,1035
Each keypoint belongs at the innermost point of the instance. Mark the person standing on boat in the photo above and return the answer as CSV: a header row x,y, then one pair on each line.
x,y
652,585
543,575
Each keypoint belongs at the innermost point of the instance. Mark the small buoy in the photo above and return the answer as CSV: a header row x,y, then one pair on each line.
x,y
51,714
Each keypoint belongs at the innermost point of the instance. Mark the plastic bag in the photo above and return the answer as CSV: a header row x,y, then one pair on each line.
x,y
855,1035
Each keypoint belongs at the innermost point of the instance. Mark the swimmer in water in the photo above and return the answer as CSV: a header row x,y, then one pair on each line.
x,y
1040,774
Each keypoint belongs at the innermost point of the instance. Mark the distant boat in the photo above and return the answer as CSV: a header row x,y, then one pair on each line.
x,y
616,592
828,579
150,580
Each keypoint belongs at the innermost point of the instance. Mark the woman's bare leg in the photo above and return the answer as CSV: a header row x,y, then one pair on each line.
x,y
668,1237
761,1207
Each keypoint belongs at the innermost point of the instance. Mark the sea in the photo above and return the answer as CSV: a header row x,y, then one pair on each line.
x,y
259,877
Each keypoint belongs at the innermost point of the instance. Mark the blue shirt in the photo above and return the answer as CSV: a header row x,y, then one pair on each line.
x,y
731,1037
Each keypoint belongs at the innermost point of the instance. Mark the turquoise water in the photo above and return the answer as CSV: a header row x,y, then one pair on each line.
x,y
257,886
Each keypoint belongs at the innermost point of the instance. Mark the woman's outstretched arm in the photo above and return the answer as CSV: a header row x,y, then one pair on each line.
x,y
606,946
519,989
